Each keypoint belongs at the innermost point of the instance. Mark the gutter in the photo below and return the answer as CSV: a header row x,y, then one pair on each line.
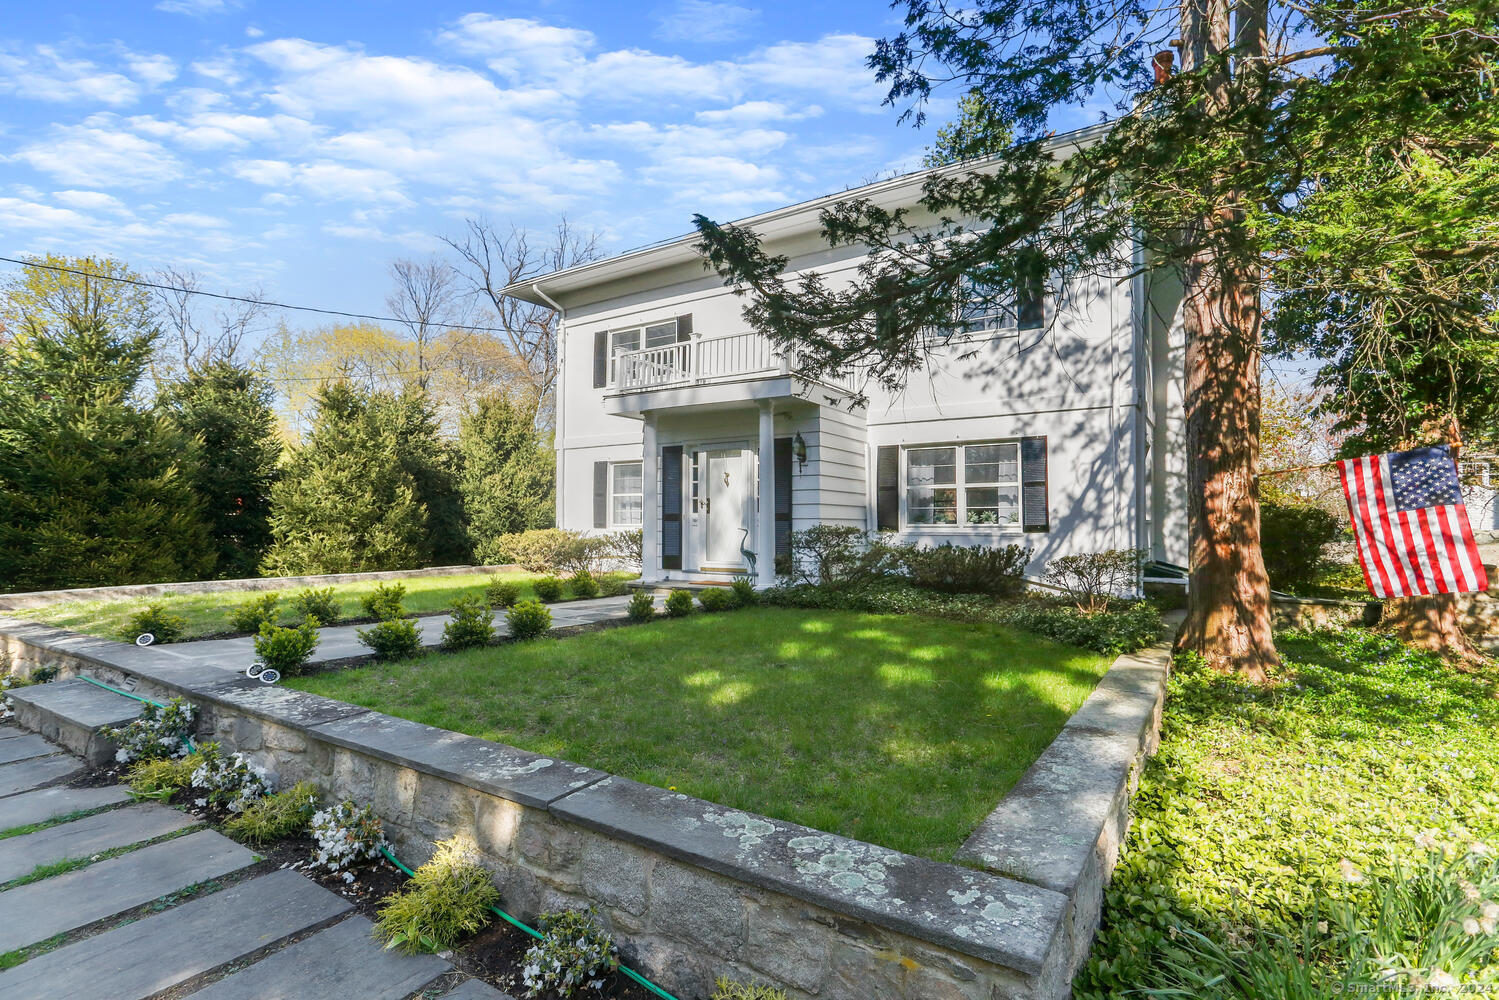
x,y
557,397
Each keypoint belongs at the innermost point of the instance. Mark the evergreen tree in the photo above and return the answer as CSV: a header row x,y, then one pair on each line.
x,y
93,489
345,502
224,410
509,476
433,465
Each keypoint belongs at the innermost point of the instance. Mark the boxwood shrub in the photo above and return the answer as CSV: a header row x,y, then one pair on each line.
x,y
679,603
315,603
501,593
157,620
286,649
529,619
715,599
548,589
642,606
384,602
393,639
250,615
583,584
471,624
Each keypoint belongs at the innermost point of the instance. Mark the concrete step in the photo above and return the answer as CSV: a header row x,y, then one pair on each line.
x,y
50,803
28,774
6,732
35,912
144,958
342,961
71,713
24,748
83,838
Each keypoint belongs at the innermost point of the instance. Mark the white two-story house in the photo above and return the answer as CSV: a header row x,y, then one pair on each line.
x,y
1054,423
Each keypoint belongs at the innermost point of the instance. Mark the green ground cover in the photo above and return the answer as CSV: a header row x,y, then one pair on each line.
x,y
208,614
1270,813
896,729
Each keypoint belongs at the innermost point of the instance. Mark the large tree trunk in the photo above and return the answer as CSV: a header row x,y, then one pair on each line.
x,y
1228,593
1434,623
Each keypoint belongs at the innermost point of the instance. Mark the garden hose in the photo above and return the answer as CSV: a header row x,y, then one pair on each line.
x,y
389,856
631,973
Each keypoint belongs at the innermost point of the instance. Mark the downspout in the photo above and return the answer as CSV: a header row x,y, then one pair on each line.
x,y
557,396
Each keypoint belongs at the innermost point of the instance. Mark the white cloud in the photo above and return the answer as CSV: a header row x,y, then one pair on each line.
x,y
95,155
704,21
91,201
152,70
23,214
757,112
193,220
324,179
48,75
197,8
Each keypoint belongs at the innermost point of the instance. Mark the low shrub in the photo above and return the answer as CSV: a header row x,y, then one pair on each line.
x,y
284,814
315,603
715,599
583,585
471,624
575,954
728,989
287,649
548,589
232,781
161,778
625,547
345,835
384,603
1093,579
393,639
1294,539
250,615
642,606
158,621
158,733
743,589
553,550
679,603
501,593
835,555
447,899
962,569
611,586
529,619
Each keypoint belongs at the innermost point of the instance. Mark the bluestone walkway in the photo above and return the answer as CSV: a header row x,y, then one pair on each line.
x,y
152,902
337,642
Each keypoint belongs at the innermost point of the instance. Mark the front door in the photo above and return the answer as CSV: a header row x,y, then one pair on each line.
x,y
727,490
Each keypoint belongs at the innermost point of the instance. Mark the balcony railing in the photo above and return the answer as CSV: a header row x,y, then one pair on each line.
x,y
711,359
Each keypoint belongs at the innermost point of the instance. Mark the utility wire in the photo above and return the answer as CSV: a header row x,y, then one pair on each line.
x,y
241,298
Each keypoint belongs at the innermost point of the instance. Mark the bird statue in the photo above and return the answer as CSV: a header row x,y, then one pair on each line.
x,y
749,557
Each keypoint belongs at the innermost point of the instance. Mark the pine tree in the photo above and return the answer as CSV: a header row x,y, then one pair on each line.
x,y
224,410
433,466
345,502
509,478
93,489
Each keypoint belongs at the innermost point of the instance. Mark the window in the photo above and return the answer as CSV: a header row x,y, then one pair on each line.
x,y
967,484
636,338
626,494
1016,304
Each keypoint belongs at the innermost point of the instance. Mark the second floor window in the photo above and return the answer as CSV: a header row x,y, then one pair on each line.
x,y
638,338
1010,306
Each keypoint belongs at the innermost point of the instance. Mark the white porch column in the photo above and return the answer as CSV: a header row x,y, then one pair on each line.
x,y
765,558
650,502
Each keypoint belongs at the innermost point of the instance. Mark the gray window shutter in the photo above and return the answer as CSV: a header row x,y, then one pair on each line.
x,y
684,327
783,496
1035,512
600,359
887,488
671,507
601,494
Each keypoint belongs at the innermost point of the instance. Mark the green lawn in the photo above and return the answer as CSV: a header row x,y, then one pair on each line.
x,y
208,614
1264,803
899,730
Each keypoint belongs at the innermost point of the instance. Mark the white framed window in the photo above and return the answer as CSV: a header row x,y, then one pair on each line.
x,y
963,485
637,338
626,494
1007,309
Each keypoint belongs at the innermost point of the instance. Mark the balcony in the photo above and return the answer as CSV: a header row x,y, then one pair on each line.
x,y
737,357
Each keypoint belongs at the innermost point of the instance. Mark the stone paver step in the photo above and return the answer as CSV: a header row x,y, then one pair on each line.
x,y
476,989
35,912
24,748
342,961
50,803
8,731
72,712
143,958
29,774
83,838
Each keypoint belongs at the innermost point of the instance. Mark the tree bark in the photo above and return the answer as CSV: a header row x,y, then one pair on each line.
x,y
1434,623
1228,593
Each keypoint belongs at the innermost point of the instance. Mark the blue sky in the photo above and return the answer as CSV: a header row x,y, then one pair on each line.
x,y
301,146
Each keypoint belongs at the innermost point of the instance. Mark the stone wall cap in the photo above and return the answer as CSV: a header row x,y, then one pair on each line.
x,y
987,916
506,771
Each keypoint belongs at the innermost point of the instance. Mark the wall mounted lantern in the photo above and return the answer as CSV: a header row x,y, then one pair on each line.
x,y
799,449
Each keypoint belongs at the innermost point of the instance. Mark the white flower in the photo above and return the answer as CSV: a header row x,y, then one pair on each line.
x,y
1440,979
1427,839
1470,927
1350,873
1479,849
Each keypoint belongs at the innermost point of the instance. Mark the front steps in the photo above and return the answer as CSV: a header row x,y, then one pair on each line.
x,y
72,713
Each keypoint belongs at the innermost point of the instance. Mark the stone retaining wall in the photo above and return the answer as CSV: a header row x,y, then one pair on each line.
x,y
694,890
42,598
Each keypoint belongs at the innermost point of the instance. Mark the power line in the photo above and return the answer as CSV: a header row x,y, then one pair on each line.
x,y
241,298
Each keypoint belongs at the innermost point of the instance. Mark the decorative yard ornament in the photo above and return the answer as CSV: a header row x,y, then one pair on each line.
x,y
259,671
145,639
749,557
1410,525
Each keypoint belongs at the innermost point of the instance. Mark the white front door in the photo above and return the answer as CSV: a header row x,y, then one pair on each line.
x,y
727,490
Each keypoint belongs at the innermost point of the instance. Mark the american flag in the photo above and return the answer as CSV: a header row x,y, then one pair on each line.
x,y
1409,524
